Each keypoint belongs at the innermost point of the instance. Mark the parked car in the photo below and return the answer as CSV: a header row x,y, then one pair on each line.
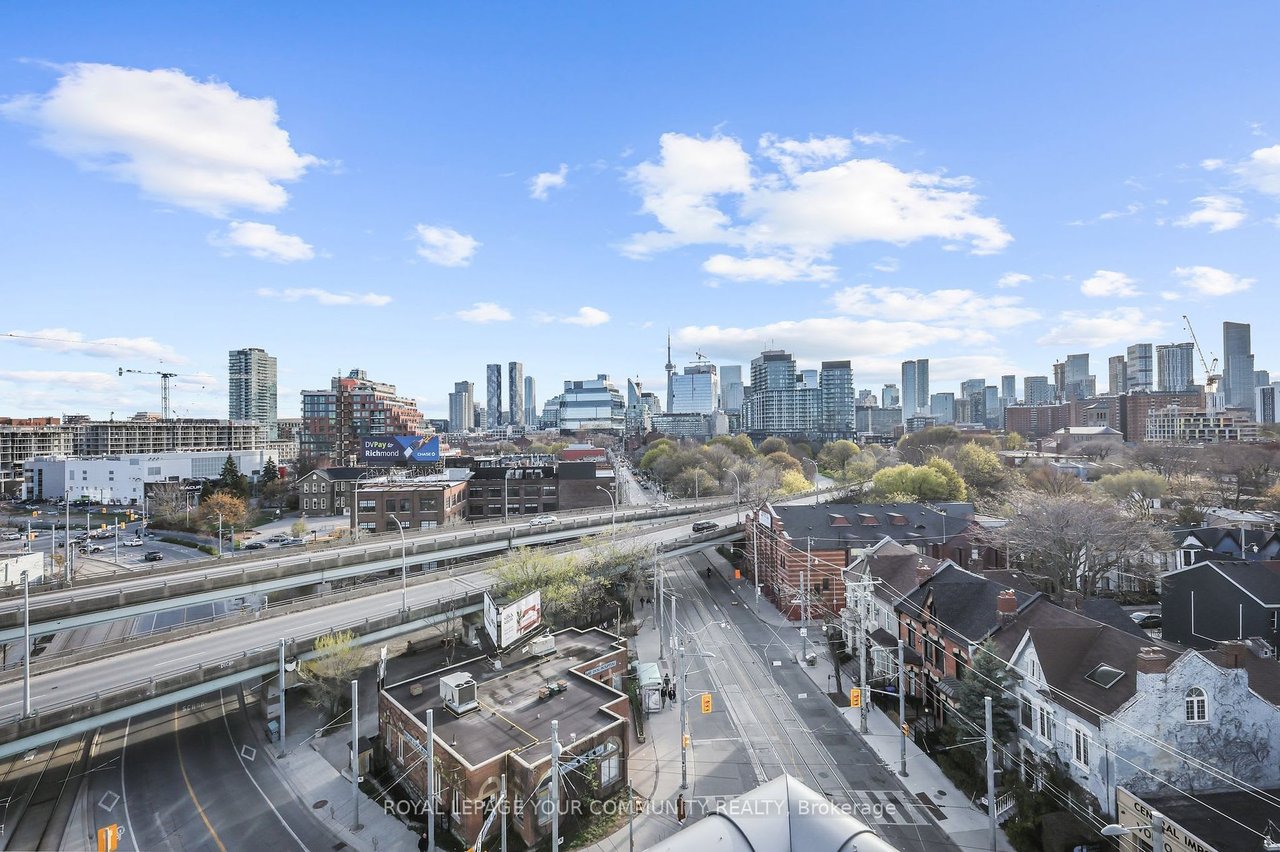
x,y
152,556
542,521
91,548
292,542
12,536
133,542
705,526
1147,620
254,545
279,537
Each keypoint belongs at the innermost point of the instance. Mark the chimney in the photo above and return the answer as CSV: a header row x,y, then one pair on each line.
x,y
1071,600
1152,661
1233,654
1006,606
923,573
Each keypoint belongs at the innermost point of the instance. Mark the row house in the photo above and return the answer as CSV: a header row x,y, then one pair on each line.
x,y
1219,600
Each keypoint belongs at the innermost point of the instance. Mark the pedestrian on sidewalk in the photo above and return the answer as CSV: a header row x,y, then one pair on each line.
x,y
424,842
680,814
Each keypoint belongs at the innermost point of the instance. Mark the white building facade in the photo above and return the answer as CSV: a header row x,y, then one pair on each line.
x,y
120,479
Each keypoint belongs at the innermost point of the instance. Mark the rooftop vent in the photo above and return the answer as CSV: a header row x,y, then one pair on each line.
x,y
458,690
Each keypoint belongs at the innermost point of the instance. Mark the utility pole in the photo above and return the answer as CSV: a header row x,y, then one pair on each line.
x,y
1157,831
355,754
684,723
902,706
662,605
26,647
555,786
991,774
755,555
864,612
502,816
804,602
66,561
631,818
219,535
431,781
281,689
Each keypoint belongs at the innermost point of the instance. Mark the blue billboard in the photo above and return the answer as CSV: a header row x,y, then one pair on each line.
x,y
400,448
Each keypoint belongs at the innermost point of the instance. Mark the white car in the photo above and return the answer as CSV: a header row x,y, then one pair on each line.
x,y
11,536
133,542
662,505
542,521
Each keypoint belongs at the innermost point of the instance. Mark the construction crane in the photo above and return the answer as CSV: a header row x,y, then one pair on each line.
x,y
164,386
1211,376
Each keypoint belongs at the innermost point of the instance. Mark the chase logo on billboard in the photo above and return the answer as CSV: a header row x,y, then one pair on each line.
x,y
412,448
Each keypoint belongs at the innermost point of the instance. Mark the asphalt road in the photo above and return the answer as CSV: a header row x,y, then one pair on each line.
x,y
193,777
768,717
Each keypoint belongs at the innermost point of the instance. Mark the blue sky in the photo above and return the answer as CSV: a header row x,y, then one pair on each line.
x,y
421,189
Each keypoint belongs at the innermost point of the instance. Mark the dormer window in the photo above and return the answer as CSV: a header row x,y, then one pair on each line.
x,y
1196,705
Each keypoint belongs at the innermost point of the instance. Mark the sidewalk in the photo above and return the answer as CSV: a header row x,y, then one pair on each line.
x,y
964,822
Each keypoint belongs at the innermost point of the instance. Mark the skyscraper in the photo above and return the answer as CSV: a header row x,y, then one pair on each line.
x,y
1117,374
530,402
889,396
915,387
1237,365
1035,390
462,406
943,407
515,391
1079,383
493,397
697,391
731,390
839,409
251,387
1138,364
991,407
1175,366
1009,388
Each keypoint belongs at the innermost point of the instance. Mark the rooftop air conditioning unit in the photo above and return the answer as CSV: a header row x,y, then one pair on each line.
x,y
458,691
543,646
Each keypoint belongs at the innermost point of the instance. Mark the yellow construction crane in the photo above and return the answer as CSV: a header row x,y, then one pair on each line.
x,y
1211,377
164,386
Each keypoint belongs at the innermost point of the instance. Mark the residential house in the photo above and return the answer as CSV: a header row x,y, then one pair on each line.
x,y
1222,599
328,491
1197,544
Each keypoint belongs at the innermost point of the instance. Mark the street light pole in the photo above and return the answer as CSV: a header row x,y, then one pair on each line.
x,y
902,706
737,498
26,649
404,570
613,502
219,535
684,723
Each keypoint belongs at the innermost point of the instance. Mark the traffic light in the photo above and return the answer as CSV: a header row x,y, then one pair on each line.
x,y
685,741
706,702
855,697
906,729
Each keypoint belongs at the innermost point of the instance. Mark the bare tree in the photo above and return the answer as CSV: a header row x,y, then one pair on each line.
x,y
1074,541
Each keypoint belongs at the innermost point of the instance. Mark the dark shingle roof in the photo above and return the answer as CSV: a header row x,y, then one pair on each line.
x,y
1068,654
894,566
863,524
1264,674
1260,579
964,603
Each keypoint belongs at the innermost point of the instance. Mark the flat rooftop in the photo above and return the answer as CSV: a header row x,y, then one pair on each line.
x,y
512,715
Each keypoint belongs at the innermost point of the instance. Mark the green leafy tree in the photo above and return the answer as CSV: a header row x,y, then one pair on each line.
x,y
232,479
911,482
695,482
657,451
987,675
571,588
270,473
740,445
920,446
1014,441
298,528
337,661
956,489
784,462
835,455
1143,483
774,445
981,469
794,482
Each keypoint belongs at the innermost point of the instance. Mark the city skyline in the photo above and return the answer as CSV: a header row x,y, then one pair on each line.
x,y
688,204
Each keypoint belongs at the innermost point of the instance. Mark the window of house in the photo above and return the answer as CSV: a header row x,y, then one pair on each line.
x,y
322,502
958,659
609,769
911,635
1275,620
1045,720
366,506
406,504
1080,747
1025,716
391,504
424,504
544,808
1196,705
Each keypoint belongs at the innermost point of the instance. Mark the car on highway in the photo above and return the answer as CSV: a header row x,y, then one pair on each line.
x,y
705,526
254,545
152,556
133,542
12,536
661,506
1147,620
542,521
292,542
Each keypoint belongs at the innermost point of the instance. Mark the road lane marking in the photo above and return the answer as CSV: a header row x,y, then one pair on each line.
x,y
124,794
252,780
183,767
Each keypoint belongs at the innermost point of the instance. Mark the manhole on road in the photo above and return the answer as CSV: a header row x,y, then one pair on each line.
x,y
320,804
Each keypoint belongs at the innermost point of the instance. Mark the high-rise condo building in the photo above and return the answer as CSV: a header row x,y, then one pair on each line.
x,y
839,407
251,388
889,396
915,387
1117,374
731,388
1237,365
1175,366
515,391
1009,388
530,402
697,391
1035,390
1138,368
493,397
462,406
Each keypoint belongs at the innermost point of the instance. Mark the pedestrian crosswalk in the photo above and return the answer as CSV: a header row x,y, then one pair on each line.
x,y
881,807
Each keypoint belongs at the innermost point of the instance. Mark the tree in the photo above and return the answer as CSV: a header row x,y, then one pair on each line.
x,y
694,482
570,587
784,462
1014,441
793,482
232,479
270,473
956,489
167,503
298,528
337,662
1044,479
917,447
740,445
916,483
234,511
1241,470
774,445
835,455
987,675
982,471
1142,483
1095,451
1074,541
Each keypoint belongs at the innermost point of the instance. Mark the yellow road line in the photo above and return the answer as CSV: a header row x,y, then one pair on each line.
x,y
182,766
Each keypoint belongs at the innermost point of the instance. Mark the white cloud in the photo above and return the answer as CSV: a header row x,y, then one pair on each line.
x,y
587,316
1105,283
86,381
821,336
1211,165
775,268
445,246
324,297
888,140
1207,281
65,340
201,146
1012,279
1219,212
1262,170
543,182
709,192
265,242
1078,328
1108,215
886,265
484,312
954,307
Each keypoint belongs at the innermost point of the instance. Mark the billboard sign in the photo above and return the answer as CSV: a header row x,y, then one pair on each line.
x,y
400,448
507,625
